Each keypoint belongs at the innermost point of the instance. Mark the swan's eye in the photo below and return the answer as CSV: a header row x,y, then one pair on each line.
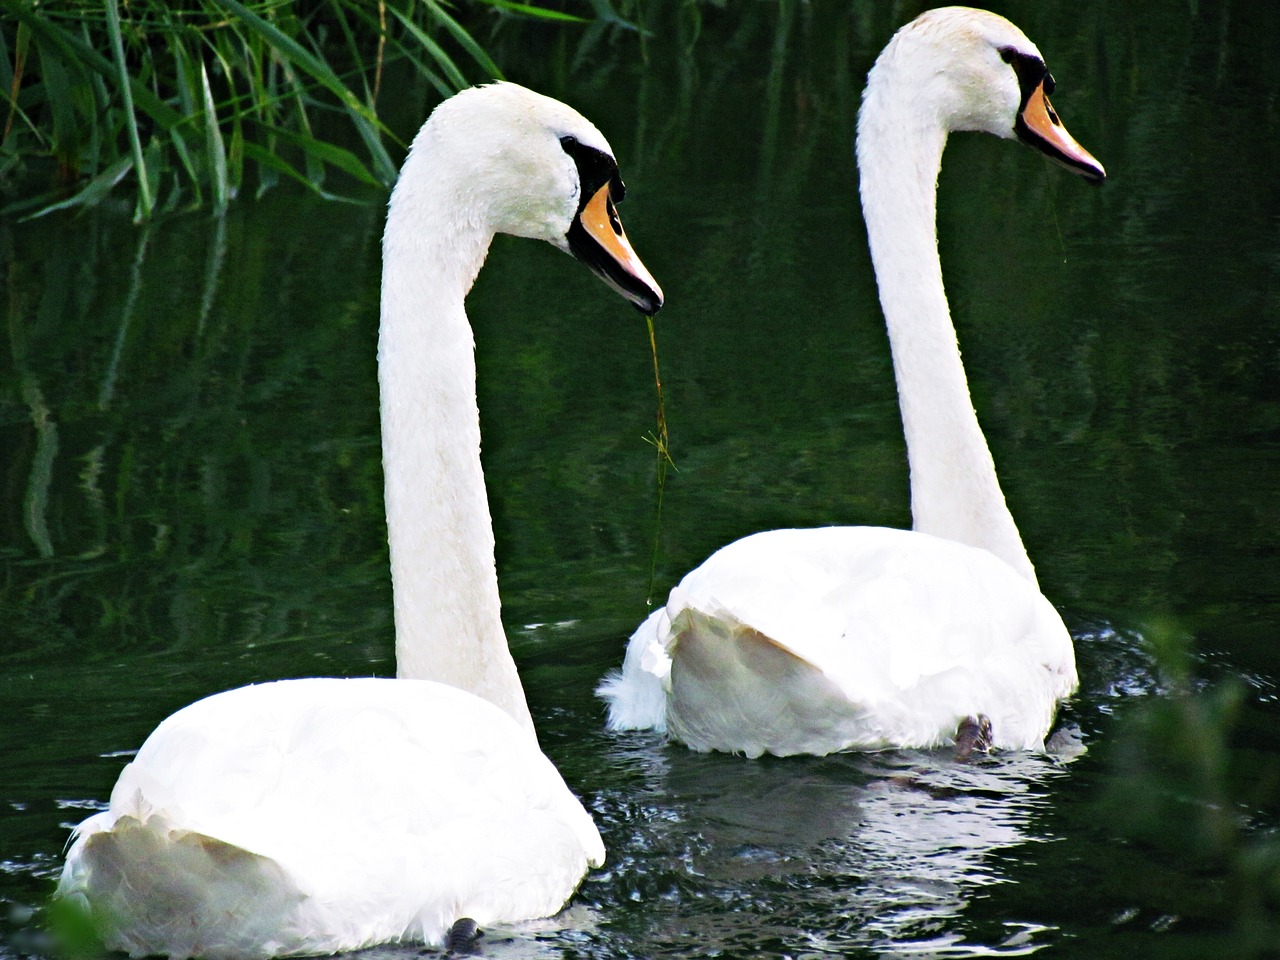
x,y
568,142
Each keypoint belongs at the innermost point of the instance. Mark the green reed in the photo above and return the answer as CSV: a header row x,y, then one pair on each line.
x,y
190,103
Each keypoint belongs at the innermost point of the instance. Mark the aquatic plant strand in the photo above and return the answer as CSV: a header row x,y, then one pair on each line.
x,y
661,442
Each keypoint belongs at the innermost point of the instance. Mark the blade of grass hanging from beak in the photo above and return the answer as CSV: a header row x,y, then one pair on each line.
x,y
232,47
661,441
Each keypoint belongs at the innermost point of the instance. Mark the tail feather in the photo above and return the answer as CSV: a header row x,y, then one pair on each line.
x,y
637,694
155,888
734,688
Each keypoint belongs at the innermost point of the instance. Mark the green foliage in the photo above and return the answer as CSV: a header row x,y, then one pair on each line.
x,y
192,102
72,933
1190,792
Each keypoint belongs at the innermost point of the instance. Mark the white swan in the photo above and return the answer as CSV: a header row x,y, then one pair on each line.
x,y
316,816
813,641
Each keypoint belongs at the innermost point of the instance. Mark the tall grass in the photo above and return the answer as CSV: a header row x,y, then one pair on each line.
x,y
192,102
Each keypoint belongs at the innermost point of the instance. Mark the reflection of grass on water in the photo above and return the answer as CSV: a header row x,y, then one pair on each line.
x,y
1185,788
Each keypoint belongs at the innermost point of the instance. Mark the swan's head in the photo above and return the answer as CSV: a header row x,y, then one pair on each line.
x,y
521,163
974,70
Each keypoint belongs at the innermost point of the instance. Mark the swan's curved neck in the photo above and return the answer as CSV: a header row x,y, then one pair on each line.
x,y
954,489
447,611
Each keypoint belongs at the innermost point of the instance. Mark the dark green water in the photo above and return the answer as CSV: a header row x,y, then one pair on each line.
x,y
191,484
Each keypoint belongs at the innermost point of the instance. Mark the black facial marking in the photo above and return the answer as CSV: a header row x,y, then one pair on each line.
x,y
1031,72
595,169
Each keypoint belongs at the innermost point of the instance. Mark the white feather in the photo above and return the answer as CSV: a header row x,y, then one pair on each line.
x,y
813,641
312,816
323,815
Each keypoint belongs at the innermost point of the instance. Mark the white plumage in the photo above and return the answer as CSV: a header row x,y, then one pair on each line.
x,y
837,638
312,816
813,641
322,815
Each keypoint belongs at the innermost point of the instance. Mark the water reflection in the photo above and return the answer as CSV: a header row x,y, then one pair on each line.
x,y
882,851
192,492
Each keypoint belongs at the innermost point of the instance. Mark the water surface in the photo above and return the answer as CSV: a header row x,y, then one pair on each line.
x,y
192,487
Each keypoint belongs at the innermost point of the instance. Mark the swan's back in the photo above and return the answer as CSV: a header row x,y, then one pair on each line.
x,y
346,812
836,638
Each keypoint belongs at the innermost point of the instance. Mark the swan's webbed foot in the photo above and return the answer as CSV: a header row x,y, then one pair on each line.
x,y
463,939
973,736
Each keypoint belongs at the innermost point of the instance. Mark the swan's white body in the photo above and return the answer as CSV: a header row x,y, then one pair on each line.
x,y
814,641
839,638
313,816
323,815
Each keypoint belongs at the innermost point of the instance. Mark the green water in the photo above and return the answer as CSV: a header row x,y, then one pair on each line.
x,y
192,490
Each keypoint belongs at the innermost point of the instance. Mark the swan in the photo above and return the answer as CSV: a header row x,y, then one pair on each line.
x,y
323,815
812,641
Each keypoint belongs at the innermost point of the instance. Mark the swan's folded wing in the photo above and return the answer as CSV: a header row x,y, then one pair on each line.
x,y
909,631
385,804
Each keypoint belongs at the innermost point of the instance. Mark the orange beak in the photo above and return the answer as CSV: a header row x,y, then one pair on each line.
x,y
599,241
1038,126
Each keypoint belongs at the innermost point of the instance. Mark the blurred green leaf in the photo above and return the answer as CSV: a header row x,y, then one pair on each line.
x,y
529,10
